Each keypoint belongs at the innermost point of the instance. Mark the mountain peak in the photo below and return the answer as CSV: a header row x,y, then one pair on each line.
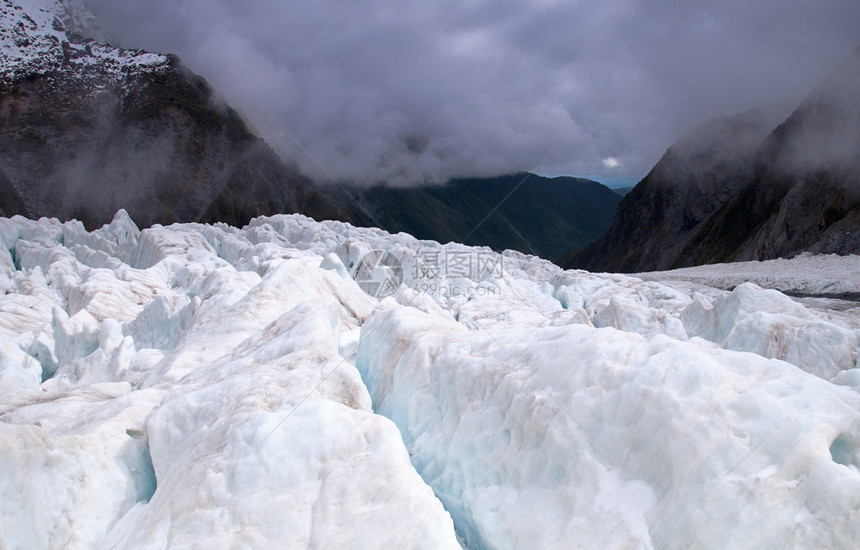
x,y
48,36
823,133
87,128
743,188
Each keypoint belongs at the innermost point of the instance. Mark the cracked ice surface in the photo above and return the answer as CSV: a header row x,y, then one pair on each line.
x,y
190,403
194,385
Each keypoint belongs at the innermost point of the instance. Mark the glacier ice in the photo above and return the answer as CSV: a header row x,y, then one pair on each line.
x,y
606,439
192,403
198,385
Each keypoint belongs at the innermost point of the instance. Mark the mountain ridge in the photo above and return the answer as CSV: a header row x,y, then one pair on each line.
x,y
524,212
87,129
793,188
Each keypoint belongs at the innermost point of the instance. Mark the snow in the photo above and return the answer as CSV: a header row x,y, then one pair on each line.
x,y
198,385
808,274
34,40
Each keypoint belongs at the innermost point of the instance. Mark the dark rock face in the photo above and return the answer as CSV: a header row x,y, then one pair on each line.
x,y
805,194
87,129
10,201
737,189
694,178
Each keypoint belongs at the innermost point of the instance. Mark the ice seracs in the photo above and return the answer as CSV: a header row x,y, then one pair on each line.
x,y
201,385
604,439
217,410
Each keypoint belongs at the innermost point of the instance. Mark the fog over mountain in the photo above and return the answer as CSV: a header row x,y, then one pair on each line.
x,y
746,188
87,129
416,92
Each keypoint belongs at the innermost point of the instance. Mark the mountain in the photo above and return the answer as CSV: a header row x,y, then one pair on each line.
x,y
744,188
695,176
524,212
87,129
805,194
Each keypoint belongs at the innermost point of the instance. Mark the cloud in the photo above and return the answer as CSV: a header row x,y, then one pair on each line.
x,y
611,162
407,91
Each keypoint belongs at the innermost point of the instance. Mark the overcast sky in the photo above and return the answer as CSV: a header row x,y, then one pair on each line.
x,y
408,91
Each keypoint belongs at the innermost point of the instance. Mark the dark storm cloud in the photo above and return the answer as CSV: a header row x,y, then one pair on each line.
x,y
408,91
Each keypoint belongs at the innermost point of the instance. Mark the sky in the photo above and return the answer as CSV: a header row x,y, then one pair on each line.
x,y
409,92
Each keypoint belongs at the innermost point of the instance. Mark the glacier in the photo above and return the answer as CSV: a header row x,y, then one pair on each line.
x,y
205,385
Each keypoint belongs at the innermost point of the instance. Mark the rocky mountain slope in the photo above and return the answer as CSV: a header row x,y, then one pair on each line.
x,y
739,189
805,194
86,129
524,212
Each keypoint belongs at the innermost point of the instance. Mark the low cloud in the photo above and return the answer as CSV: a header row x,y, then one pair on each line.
x,y
409,92
611,162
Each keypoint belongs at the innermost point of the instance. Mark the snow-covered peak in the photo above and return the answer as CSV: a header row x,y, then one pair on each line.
x,y
44,36
32,35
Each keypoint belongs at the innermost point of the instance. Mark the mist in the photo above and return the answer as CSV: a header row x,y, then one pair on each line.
x,y
417,92
823,134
